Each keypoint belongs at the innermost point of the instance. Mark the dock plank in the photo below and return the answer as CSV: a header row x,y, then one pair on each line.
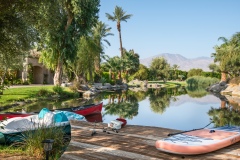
x,y
131,142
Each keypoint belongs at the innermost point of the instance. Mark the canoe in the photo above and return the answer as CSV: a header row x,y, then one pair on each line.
x,y
82,110
85,109
8,115
200,141
17,129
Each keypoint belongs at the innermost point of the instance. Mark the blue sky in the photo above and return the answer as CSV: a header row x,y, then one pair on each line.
x,y
190,28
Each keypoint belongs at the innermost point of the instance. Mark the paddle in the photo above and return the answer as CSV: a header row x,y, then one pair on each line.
x,y
171,134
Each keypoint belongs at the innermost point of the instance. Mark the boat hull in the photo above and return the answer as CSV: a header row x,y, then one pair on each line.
x,y
199,141
82,110
86,109
8,115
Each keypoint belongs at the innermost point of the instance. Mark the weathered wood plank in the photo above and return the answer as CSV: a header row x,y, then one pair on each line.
x,y
132,142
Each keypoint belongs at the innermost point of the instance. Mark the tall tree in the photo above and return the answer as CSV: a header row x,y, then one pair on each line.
x,y
61,24
83,63
130,63
100,32
175,67
228,56
118,16
17,34
160,68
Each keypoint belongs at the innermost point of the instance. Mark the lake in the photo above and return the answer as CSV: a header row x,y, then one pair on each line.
x,y
178,108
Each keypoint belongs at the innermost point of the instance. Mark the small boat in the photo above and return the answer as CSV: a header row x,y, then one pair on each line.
x,y
199,141
85,109
16,129
8,115
82,110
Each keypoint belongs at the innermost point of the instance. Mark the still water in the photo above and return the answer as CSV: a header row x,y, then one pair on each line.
x,y
183,114
178,108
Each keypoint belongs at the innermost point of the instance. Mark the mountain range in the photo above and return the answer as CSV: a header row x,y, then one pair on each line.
x,y
184,63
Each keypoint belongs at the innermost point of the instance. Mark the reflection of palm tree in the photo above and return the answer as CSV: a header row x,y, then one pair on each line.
x,y
123,110
225,116
159,100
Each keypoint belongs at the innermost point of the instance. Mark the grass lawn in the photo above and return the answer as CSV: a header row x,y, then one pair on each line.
x,y
23,93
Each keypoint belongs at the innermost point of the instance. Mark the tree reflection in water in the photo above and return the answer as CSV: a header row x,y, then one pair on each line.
x,y
125,104
228,115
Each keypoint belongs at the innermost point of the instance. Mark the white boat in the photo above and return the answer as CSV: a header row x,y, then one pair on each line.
x,y
13,129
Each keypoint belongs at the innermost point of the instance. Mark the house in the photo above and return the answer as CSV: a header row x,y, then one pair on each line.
x,y
36,72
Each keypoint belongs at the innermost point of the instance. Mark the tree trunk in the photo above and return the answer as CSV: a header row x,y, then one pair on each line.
x,y
223,104
120,38
110,74
223,76
58,72
97,64
2,82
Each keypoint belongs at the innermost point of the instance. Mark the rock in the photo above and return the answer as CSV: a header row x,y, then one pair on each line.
x,y
88,94
218,87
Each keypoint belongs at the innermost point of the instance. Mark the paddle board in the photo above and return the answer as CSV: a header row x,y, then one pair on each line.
x,y
200,141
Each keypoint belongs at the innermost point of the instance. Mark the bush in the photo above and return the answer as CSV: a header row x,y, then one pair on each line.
x,y
43,92
199,81
58,89
33,146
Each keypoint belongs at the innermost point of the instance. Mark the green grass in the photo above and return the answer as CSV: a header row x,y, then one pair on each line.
x,y
23,93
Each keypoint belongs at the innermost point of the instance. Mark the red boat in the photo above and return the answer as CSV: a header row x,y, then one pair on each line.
x,y
8,115
82,110
85,110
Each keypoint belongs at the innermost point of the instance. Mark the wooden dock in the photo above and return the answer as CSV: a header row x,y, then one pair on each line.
x,y
131,142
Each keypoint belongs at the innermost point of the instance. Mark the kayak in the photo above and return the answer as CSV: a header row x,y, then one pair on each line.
x,y
199,141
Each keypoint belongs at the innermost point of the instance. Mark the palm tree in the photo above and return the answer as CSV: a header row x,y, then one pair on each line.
x,y
100,32
175,68
115,65
227,54
130,63
118,16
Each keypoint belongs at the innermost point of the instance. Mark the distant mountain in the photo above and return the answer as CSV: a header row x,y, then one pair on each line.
x,y
184,63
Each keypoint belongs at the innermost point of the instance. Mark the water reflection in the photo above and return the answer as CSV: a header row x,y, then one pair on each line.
x,y
177,108
196,92
227,115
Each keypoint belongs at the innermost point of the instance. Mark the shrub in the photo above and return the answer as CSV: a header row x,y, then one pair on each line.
x,y
199,81
33,146
58,89
43,92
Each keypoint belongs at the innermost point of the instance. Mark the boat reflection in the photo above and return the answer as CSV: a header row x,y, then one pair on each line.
x,y
97,117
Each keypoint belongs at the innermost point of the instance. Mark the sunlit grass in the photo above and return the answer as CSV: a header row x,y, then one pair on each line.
x,y
23,93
